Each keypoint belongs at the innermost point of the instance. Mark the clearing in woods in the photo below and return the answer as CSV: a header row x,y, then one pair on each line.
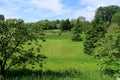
x,y
64,54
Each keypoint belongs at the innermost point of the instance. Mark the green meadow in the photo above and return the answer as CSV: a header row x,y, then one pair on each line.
x,y
66,60
64,54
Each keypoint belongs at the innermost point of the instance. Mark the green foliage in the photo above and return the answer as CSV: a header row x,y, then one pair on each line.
x,y
108,51
104,14
77,29
99,28
81,19
78,25
116,18
48,75
47,24
66,61
2,17
92,36
113,28
54,24
86,26
102,40
13,36
65,25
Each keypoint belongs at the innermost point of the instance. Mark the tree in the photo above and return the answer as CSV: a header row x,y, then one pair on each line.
x,y
108,52
81,19
14,35
46,24
2,17
65,25
76,31
114,27
92,36
104,14
100,24
116,18
54,24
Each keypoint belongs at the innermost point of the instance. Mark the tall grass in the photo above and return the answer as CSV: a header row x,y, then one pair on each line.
x,y
70,74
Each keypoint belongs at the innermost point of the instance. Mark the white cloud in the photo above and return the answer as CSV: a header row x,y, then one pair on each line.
x,y
89,8
88,13
9,13
54,6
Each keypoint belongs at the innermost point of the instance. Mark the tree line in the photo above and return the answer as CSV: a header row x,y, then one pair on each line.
x,y
76,26
103,39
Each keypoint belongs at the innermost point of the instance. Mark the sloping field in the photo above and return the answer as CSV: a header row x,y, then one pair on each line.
x,y
64,54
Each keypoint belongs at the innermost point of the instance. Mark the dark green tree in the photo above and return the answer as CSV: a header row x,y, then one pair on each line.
x,y
108,52
54,24
86,26
46,24
2,17
92,36
104,14
77,30
65,25
14,35
100,24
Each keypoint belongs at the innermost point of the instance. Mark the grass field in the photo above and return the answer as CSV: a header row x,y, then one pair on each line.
x,y
66,57
64,54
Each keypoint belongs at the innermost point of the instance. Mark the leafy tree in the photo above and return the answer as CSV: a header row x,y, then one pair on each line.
x,y
61,25
2,17
114,27
100,25
68,26
108,52
104,14
14,35
92,36
72,23
116,18
54,24
65,25
76,31
46,24
86,26
81,19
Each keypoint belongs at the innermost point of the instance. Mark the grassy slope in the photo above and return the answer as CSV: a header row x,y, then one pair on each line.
x,y
63,54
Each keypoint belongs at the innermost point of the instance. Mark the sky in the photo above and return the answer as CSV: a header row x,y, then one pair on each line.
x,y
35,10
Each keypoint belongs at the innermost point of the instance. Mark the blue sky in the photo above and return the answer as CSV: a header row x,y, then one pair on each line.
x,y
34,10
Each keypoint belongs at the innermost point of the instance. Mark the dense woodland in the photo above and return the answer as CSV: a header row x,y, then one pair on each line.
x,y
100,37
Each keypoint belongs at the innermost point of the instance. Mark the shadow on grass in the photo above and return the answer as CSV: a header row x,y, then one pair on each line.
x,y
11,75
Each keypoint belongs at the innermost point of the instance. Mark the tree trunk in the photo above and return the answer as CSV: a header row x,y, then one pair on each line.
x,y
3,70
